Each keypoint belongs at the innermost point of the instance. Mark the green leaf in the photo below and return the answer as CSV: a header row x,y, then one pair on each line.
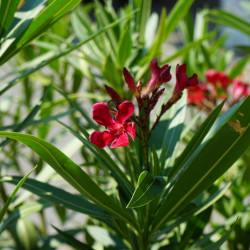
x,y
188,47
206,242
169,129
23,211
72,241
63,53
201,207
110,73
225,18
7,11
28,119
244,48
27,234
104,237
72,173
124,47
59,196
47,173
45,19
12,196
180,10
196,140
104,18
209,161
148,187
239,66
143,16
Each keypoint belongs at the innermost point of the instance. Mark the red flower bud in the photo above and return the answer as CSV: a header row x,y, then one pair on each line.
x,y
114,95
130,81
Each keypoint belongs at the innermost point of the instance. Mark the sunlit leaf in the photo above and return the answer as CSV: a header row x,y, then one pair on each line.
x,y
148,187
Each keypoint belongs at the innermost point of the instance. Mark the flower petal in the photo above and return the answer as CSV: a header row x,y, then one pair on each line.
x,y
121,141
182,81
125,110
101,139
102,116
130,129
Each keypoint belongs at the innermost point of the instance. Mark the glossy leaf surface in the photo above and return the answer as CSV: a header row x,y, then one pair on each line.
x,y
207,164
147,189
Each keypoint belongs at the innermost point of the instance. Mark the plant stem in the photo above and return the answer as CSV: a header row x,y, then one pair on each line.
x,y
175,97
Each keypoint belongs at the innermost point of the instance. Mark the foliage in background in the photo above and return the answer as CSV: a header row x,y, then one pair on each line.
x,y
53,75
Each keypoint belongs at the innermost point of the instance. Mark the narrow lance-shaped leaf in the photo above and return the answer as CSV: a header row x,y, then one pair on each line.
x,y
7,11
208,163
12,196
63,53
47,17
196,140
73,242
59,196
72,173
28,119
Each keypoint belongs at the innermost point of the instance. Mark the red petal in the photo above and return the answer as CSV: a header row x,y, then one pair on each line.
x,y
121,141
182,81
125,110
155,74
102,116
212,76
101,139
192,81
130,129
181,69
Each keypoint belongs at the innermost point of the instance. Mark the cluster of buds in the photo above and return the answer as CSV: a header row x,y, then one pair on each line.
x,y
147,97
217,87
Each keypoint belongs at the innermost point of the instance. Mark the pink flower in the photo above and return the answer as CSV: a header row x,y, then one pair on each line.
x,y
182,81
119,129
239,89
159,76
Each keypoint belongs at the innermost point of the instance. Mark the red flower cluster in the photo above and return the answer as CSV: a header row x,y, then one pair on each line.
x,y
160,75
119,129
147,97
218,86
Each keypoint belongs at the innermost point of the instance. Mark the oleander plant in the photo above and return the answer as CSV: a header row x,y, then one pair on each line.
x,y
115,136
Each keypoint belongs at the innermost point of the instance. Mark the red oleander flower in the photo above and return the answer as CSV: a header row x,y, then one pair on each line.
x,y
182,81
224,80
159,76
239,89
119,129
197,94
214,77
